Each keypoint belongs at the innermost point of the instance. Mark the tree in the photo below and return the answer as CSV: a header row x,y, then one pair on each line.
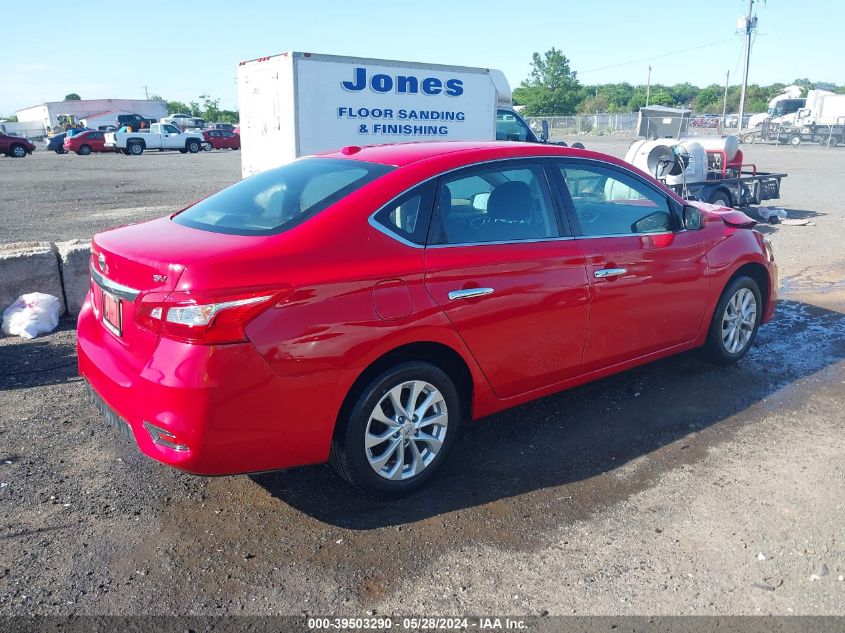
x,y
72,97
177,107
552,87
598,103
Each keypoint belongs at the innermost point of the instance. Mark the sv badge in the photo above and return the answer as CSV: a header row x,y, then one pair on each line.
x,y
159,278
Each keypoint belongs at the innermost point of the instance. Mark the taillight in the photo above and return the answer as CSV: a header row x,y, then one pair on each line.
x,y
204,318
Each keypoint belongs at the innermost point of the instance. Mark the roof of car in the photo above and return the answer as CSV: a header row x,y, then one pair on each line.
x,y
402,154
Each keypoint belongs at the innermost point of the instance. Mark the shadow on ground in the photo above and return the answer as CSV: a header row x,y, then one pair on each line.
x,y
574,436
46,360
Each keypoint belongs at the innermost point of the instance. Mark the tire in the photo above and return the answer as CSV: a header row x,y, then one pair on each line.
x,y
207,147
795,140
721,198
373,467
193,146
17,151
236,148
748,138
720,347
85,150
61,151
135,149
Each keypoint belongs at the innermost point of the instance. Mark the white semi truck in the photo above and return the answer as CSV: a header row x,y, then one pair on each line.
x,y
294,104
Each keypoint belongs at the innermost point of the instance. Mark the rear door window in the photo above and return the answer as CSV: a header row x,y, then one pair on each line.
x,y
277,199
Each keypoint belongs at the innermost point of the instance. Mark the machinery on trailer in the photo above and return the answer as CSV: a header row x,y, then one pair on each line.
x,y
706,169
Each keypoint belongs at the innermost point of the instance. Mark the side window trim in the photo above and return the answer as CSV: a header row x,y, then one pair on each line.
x,y
503,165
569,206
424,190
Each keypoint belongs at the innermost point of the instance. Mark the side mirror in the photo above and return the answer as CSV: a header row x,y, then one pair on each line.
x,y
544,131
694,219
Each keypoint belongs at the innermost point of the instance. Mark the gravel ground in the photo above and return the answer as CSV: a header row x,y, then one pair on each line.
x,y
675,488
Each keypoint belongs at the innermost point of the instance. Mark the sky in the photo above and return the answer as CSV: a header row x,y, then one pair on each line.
x,y
183,49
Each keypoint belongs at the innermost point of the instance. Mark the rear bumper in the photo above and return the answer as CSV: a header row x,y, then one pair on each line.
x,y
223,405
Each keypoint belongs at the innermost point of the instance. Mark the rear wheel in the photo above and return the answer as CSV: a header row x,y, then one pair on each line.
x,y
795,140
193,146
721,198
399,430
735,322
135,149
85,150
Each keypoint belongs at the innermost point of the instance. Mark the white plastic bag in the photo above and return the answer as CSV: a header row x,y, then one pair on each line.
x,y
772,216
32,314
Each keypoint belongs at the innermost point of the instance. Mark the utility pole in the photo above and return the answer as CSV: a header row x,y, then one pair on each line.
x,y
750,24
725,100
648,87
147,92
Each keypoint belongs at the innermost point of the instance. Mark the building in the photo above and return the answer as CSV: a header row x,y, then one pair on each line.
x,y
46,115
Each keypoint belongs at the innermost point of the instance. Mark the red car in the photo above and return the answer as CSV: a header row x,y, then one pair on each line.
x,y
15,146
359,306
86,142
221,139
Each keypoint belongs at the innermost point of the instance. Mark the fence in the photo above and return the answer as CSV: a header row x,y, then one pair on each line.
x,y
599,123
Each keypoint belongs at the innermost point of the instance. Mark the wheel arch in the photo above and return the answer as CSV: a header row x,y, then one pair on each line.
x,y
440,355
759,274
136,140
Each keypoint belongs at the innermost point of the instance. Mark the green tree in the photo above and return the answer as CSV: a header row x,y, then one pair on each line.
x,y
177,107
710,99
552,87
597,103
72,97
210,108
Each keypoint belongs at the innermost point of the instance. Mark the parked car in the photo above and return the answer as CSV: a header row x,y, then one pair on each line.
x,y
360,306
55,143
15,146
86,142
184,121
135,121
221,139
220,126
160,136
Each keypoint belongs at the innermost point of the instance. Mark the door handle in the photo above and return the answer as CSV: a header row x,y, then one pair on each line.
x,y
609,272
469,293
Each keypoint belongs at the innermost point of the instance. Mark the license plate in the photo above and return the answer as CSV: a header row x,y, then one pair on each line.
x,y
112,313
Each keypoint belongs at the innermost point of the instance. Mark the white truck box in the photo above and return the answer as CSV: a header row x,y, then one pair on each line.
x,y
295,104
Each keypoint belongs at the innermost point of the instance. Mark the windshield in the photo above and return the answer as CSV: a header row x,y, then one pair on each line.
x,y
277,199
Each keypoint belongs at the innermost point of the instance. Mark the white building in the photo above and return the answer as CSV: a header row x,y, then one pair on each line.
x,y
46,115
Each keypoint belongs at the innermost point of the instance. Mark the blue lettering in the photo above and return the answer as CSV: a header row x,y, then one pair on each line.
x,y
432,86
454,87
382,83
360,81
407,85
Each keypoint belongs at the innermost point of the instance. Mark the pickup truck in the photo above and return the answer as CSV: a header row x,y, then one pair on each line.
x,y
160,136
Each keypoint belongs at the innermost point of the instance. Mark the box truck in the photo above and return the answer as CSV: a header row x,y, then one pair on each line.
x,y
294,104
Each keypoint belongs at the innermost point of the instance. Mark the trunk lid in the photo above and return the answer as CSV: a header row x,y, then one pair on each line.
x,y
133,261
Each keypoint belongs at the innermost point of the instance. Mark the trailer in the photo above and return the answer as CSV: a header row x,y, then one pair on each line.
x,y
740,189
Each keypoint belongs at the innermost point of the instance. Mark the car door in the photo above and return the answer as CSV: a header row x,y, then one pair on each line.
x,y
647,276
503,267
97,141
171,138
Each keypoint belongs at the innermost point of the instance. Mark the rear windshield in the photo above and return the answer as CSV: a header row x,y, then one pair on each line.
x,y
278,199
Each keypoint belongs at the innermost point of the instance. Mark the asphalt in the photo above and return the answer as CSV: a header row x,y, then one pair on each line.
x,y
675,488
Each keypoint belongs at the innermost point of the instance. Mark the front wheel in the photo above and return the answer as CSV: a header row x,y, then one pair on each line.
x,y
399,430
735,322
795,140
207,146
17,151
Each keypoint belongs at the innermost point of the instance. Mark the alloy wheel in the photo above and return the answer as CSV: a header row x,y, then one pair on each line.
x,y
738,321
406,430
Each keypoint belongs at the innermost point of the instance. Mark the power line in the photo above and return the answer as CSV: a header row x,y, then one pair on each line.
x,y
645,59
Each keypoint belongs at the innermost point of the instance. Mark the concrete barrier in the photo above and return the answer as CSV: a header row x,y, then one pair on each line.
x,y
74,256
28,267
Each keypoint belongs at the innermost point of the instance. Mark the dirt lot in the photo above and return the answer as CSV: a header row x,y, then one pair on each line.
x,y
676,488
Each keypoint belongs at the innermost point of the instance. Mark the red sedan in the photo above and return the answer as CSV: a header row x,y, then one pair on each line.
x,y
358,307
221,139
86,142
